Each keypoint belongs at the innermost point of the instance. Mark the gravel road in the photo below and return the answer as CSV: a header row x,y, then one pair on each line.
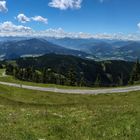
x,y
76,91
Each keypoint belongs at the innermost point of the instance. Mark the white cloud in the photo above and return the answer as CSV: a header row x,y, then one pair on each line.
x,y
40,19
8,26
3,7
9,29
65,4
22,18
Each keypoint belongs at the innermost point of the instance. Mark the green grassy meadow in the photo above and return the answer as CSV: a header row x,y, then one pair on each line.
x,y
33,115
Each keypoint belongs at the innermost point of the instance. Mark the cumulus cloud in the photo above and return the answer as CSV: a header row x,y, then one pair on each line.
x,y
9,29
22,18
65,4
60,33
8,26
40,19
3,7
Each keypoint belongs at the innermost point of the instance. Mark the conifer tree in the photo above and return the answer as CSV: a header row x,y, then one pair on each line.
x,y
135,76
72,80
98,81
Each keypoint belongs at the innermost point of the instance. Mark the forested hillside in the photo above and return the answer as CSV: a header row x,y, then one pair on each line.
x,y
70,70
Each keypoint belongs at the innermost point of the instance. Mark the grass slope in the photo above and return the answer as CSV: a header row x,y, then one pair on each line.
x,y
34,115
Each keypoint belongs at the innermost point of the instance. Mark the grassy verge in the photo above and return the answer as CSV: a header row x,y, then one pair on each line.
x,y
34,115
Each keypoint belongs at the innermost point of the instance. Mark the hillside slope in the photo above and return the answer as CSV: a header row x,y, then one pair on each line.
x,y
79,70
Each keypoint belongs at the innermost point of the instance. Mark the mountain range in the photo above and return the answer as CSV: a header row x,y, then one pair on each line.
x,y
34,47
97,49
103,49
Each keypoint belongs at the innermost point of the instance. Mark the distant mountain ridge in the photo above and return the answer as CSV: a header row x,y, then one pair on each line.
x,y
97,49
15,49
103,49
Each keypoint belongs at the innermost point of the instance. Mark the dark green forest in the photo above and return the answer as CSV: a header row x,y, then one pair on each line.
x,y
72,71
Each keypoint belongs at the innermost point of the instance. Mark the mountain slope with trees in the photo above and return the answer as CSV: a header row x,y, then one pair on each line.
x,y
70,70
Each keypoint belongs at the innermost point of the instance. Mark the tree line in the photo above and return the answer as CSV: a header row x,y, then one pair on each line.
x,y
135,74
47,75
72,71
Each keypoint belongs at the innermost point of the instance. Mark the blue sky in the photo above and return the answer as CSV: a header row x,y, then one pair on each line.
x,y
89,16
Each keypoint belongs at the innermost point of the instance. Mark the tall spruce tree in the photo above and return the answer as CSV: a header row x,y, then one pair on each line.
x,y
135,76
98,81
44,75
72,77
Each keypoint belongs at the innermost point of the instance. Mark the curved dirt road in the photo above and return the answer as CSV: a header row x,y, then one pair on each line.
x,y
76,91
